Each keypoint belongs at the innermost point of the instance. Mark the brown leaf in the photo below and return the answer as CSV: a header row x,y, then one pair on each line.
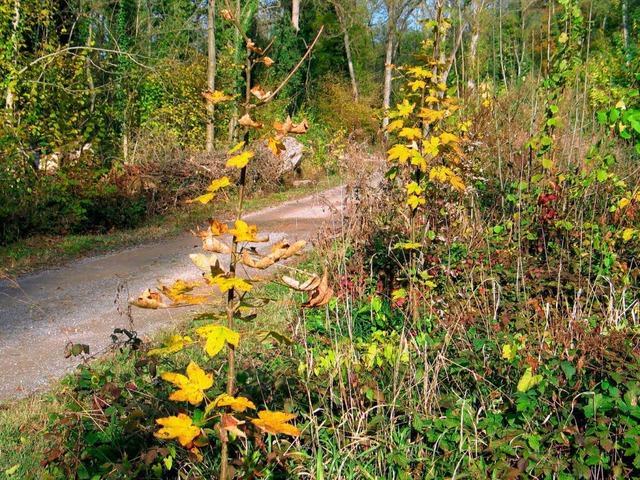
x,y
230,424
321,295
289,127
259,93
148,299
227,15
252,46
246,121
216,96
268,62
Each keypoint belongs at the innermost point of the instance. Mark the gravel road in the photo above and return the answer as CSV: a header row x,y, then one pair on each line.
x,y
84,302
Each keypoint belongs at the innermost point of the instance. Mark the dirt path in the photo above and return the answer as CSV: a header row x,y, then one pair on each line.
x,y
85,301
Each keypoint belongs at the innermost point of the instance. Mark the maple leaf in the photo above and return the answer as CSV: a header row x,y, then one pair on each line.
x,y
252,46
216,96
414,201
148,299
246,233
191,386
209,266
259,93
240,161
446,138
246,121
230,424
180,427
405,108
410,133
401,152
174,343
268,62
431,146
216,336
237,404
413,188
418,84
225,284
289,127
395,125
431,99
178,293
203,199
276,422
419,161
429,115
276,146
419,72
217,228
236,147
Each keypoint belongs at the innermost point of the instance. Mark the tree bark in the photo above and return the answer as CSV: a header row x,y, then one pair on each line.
x,y
388,68
211,71
352,72
295,14
14,46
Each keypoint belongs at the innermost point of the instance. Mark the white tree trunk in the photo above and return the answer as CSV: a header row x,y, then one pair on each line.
x,y
211,71
295,14
388,70
14,46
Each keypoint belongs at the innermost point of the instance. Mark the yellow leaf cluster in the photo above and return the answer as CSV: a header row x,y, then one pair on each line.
x,y
179,290
429,115
276,422
180,427
216,336
410,133
192,386
216,96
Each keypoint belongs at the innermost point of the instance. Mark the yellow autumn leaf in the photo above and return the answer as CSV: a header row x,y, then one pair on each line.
x,y
179,290
405,108
216,96
410,133
225,284
275,423
440,174
246,233
395,125
623,202
431,99
216,336
276,146
237,404
628,234
416,85
240,161
420,72
528,381
413,188
218,183
203,199
414,201
192,386
399,151
431,146
429,115
446,138
236,147
174,343
457,183
419,161
180,427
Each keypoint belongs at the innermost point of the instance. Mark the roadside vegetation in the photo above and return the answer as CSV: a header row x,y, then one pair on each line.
x,y
478,314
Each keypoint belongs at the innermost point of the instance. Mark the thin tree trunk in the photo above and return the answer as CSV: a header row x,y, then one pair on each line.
x,y
625,28
14,46
87,66
211,71
295,14
352,72
388,67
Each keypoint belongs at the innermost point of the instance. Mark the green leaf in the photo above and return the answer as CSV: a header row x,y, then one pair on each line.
x,y
528,380
602,175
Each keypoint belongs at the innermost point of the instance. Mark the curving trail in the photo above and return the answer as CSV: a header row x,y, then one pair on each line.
x,y
84,302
